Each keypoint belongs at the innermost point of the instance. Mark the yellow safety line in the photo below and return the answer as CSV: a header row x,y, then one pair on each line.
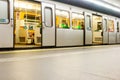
x,y
36,50
51,49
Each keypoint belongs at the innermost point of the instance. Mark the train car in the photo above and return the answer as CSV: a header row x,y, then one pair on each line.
x,y
45,23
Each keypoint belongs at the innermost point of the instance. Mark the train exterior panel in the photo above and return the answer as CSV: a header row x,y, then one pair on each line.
x,y
88,28
6,23
105,30
46,23
118,30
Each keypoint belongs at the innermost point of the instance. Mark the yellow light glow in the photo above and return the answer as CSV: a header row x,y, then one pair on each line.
x,y
62,13
77,16
26,5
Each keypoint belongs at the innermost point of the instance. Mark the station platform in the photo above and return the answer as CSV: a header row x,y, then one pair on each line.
x,y
73,63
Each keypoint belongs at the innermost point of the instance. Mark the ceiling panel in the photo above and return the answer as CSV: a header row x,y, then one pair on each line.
x,y
114,2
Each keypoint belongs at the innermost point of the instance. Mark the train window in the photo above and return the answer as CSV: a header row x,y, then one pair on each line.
x,y
48,17
77,21
111,26
105,25
88,21
4,12
62,19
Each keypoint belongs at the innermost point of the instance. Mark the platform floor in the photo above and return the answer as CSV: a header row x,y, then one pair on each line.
x,y
78,63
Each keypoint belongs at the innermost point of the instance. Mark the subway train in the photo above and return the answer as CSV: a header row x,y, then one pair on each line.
x,y
45,23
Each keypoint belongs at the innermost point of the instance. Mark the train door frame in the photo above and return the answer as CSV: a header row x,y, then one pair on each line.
x,y
112,34
6,25
118,30
88,29
38,42
48,31
105,30
97,31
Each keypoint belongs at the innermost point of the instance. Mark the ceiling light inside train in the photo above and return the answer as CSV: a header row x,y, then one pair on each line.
x,y
77,16
100,3
26,5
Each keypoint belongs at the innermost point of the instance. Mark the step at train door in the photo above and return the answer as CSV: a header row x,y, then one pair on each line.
x,y
88,28
105,31
6,23
48,24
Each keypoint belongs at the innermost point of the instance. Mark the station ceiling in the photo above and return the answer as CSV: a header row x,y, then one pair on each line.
x,y
95,7
114,2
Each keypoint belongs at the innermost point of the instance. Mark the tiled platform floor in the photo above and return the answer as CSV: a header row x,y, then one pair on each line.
x,y
78,63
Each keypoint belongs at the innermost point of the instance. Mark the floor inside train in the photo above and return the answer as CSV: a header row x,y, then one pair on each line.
x,y
74,63
27,46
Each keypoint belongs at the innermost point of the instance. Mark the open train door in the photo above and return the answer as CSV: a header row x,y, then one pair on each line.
x,y
6,23
105,31
48,24
88,28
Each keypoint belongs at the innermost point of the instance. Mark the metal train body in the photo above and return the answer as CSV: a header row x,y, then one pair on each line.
x,y
44,23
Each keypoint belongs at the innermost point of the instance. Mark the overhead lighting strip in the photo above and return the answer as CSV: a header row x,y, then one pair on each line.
x,y
102,4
